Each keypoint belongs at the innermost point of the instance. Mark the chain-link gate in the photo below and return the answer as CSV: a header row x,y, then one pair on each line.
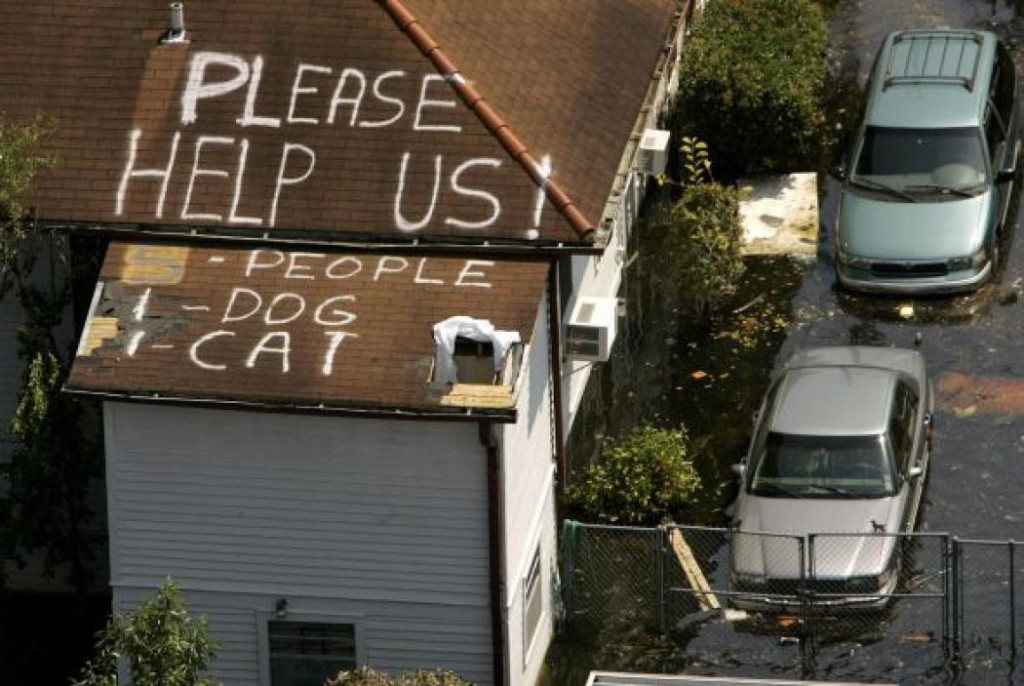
x,y
922,606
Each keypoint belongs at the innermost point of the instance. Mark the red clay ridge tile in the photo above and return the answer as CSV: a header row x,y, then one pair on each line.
x,y
411,26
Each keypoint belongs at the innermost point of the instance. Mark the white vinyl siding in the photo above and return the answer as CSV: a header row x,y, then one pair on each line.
x,y
529,481
386,519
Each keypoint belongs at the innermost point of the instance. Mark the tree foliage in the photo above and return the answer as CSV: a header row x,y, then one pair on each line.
x,y
643,478
705,239
751,83
364,676
162,645
21,159
44,502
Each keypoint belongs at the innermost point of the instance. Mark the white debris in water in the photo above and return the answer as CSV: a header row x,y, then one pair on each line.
x,y
732,615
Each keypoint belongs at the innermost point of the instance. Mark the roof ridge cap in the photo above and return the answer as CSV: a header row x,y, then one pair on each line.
x,y
498,127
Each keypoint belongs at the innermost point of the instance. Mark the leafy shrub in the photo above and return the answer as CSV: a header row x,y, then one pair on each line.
x,y
643,478
705,238
364,676
751,81
162,644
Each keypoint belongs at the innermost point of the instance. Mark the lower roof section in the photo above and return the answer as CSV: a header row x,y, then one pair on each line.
x,y
290,330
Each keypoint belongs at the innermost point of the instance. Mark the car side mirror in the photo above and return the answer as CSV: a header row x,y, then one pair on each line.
x,y
739,469
915,472
1006,174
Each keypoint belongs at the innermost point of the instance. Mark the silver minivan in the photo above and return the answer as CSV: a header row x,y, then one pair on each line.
x,y
926,188
833,477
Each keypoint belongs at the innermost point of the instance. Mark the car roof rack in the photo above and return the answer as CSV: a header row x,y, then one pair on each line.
x,y
934,57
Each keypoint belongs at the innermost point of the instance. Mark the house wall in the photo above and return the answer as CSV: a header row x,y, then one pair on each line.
x,y
383,521
529,521
601,275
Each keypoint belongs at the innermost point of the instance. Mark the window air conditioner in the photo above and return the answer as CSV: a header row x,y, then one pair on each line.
x,y
653,152
591,329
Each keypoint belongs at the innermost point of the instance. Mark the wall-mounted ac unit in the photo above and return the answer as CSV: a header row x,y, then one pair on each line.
x,y
653,152
591,329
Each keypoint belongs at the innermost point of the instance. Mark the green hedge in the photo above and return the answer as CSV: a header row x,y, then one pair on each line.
x,y
705,239
364,676
642,478
752,77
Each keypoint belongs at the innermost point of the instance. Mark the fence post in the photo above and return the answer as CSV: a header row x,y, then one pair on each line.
x,y
808,644
568,546
1013,608
946,591
660,561
956,598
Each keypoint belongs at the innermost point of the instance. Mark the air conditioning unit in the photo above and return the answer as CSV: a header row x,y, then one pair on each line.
x,y
591,329
653,152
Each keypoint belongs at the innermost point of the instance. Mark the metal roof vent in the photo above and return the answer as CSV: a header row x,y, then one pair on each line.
x,y
175,34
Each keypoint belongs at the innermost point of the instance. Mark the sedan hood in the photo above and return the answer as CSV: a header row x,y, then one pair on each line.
x,y
897,230
839,554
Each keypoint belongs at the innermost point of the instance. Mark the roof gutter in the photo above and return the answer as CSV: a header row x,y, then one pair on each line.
x,y
476,414
498,127
557,400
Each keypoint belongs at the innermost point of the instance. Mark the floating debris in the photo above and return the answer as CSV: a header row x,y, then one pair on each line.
x,y
918,636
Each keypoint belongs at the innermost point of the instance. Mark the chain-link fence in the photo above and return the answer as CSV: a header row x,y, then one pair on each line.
x,y
988,614
925,607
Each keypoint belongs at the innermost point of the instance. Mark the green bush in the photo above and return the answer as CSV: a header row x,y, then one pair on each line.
x,y
162,645
705,238
643,478
751,82
364,676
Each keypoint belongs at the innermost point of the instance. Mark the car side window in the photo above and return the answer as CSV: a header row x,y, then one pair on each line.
x,y
902,424
761,428
1000,103
1004,86
994,132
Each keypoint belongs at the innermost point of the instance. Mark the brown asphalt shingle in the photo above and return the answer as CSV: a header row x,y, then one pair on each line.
x,y
289,328
567,76
320,124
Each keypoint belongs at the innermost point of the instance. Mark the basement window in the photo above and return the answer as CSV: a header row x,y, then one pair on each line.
x,y
303,653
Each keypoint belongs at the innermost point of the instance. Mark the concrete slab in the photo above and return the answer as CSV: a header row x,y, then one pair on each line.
x,y
779,215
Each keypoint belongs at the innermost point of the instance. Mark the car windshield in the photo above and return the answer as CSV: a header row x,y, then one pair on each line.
x,y
921,163
823,467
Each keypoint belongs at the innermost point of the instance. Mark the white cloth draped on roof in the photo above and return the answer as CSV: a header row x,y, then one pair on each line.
x,y
480,330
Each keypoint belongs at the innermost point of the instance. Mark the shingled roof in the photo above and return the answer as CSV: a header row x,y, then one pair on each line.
x,y
423,121
300,330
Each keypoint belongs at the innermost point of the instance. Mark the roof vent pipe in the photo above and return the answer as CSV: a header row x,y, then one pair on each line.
x,y
175,34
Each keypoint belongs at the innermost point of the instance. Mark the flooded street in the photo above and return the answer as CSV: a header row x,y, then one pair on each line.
x,y
977,478
711,379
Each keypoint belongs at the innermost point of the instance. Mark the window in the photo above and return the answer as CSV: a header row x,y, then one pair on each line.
x,y
1004,83
902,425
533,602
474,361
303,653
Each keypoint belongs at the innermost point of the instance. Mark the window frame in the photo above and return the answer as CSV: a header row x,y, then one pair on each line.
x,y
534,575
264,617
